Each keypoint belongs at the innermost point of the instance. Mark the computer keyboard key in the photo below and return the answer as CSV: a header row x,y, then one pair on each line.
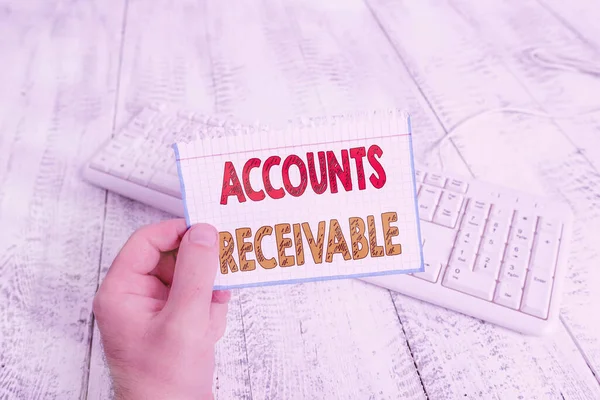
x,y
151,144
130,156
522,232
508,295
163,163
536,296
457,185
545,251
140,175
122,169
517,236
501,214
115,147
478,207
448,209
487,264
467,281
493,246
463,256
419,175
513,272
550,225
165,183
432,271
445,217
469,238
428,199
435,180
497,229
524,221
517,253
474,222
102,162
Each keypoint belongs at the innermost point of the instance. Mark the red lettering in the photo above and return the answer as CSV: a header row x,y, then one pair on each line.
x,y
378,181
341,173
231,184
291,189
318,186
357,154
252,194
271,191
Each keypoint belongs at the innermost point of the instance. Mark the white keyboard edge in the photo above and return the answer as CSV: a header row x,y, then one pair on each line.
x,y
151,197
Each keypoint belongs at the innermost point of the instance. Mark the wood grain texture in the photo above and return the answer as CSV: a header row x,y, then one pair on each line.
x,y
165,60
450,67
579,16
58,79
67,66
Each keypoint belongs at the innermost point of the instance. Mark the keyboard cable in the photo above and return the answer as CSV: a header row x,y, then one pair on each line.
x,y
546,61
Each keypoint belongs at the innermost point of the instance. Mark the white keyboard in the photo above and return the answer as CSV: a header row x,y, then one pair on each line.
x,y
489,252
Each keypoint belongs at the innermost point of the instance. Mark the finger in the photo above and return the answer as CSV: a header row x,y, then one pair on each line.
x,y
142,251
218,319
221,296
194,275
165,267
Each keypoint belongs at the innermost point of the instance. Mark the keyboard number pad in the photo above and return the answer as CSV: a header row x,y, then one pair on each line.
x,y
504,256
501,255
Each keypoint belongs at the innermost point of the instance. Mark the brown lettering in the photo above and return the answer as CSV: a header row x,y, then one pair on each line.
x,y
336,243
226,253
357,235
376,251
316,246
266,263
389,232
282,244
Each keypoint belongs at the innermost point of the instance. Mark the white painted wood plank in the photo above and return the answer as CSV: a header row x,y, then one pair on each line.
x,y
512,34
165,60
355,70
58,84
580,16
559,70
460,77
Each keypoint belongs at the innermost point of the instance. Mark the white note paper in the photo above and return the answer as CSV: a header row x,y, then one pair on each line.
x,y
330,198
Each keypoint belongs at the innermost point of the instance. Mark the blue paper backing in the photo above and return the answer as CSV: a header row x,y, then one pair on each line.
x,y
182,186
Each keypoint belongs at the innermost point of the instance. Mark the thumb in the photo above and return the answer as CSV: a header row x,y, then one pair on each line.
x,y
194,274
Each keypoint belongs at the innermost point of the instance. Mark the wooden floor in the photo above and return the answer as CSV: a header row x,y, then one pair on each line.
x,y
72,72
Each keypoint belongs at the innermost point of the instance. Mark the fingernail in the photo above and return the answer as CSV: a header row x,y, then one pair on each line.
x,y
221,296
203,234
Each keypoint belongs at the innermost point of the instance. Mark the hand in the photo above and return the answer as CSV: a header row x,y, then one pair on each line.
x,y
158,316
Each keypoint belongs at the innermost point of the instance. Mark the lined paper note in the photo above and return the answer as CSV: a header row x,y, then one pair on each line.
x,y
330,198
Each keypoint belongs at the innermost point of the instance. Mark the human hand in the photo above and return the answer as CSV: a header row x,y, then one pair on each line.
x,y
158,316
